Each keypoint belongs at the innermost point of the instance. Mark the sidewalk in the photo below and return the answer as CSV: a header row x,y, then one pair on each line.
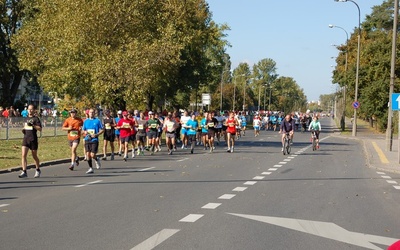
x,y
374,146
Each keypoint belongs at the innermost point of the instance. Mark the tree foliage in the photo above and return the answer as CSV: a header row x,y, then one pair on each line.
x,y
141,52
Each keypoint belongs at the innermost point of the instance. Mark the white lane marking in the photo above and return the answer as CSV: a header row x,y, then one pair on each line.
x,y
239,189
145,169
396,187
250,183
258,177
287,159
277,166
386,177
156,239
324,229
266,173
294,156
89,183
380,172
272,169
4,205
226,196
282,162
291,157
191,218
184,159
392,182
211,205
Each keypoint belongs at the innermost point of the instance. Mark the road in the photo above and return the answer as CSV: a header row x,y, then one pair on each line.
x,y
254,198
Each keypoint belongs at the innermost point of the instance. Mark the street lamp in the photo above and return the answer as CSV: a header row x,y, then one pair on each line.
x,y
342,120
354,131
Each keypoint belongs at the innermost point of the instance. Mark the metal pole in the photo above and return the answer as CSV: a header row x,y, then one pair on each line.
x,y
389,141
234,93
222,77
354,132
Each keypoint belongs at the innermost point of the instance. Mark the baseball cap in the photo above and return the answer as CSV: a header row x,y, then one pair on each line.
x,y
150,112
73,111
125,113
120,112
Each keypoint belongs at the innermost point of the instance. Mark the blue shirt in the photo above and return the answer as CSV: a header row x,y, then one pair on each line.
x,y
193,124
203,125
92,126
116,122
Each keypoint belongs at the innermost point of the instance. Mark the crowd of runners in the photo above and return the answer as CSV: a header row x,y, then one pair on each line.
x,y
132,133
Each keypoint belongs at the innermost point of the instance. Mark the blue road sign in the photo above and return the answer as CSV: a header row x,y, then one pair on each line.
x,y
356,104
395,101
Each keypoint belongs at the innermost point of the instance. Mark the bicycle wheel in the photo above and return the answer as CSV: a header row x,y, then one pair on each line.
x,y
288,147
284,146
314,144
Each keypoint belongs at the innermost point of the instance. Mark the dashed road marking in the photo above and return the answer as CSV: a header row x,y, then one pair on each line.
x,y
392,182
396,187
211,205
277,166
386,177
380,173
145,169
89,183
287,160
191,218
282,162
184,159
4,205
258,177
156,239
239,189
250,183
272,169
266,173
226,196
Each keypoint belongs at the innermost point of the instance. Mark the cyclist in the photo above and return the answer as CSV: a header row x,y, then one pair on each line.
x,y
315,125
287,126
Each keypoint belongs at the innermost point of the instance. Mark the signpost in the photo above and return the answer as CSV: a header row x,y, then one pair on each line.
x,y
396,107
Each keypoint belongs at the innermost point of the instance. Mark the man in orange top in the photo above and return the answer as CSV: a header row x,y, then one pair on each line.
x,y
73,125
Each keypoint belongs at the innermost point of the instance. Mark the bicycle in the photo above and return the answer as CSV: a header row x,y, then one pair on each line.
x,y
286,144
313,140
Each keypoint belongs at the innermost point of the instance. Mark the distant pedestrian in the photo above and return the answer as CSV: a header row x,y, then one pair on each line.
x,y
30,142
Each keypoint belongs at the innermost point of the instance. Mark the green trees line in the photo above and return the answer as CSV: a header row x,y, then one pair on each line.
x,y
374,71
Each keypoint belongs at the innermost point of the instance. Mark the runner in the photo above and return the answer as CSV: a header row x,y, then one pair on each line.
x,y
231,124
243,123
220,120
30,142
133,132
191,126
109,124
184,136
212,122
117,134
73,125
125,126
141,127
170,126
204,130
256,125
159,131
153,125
92,128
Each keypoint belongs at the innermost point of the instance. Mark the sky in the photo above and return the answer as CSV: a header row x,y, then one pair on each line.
x,y
295,34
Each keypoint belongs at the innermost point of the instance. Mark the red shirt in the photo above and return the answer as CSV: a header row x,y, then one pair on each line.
x,y
133,130
231,124
125,126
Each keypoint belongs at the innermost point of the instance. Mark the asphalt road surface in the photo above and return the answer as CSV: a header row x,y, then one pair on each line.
x,y
254,198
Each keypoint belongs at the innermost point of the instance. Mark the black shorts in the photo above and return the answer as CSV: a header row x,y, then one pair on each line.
x,y
70,142
224,128
125,139
132,138
92,147
109,136
152,135
192,138
211,134
141,138
32,145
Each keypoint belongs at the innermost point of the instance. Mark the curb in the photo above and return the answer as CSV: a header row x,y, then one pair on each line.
x,y
42,164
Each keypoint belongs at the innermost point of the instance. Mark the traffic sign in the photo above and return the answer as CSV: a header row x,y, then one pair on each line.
x,y
206,99
356,104
396,101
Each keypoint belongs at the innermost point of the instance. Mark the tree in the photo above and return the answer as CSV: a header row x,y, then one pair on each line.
x,y
141,52
11,13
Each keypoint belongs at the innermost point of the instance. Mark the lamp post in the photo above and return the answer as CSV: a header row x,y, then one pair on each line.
x,y
354,131
342,120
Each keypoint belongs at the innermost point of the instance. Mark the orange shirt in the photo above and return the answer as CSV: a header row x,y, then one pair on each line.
x,y
76,124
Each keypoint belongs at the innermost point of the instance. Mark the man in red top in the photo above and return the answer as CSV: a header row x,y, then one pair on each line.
x,y
231,124
73,125
125,127
133,131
